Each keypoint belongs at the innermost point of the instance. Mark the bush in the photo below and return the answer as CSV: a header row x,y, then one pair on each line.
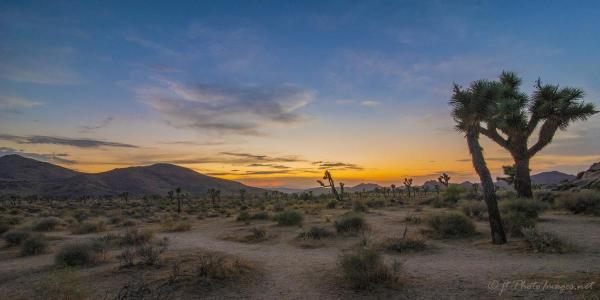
x,y
365,268
288,218
451,225
514,221
15,237
545,196
474,209
221,267
4,227
134,237
350,223
261,215
529,208
545,242
258,233
88,227
243,216
176,226
34,245
150,254
359,206
582,202
452,193
48,224
80,254
331,204
412,219
375,203
315,233
404,244
60,284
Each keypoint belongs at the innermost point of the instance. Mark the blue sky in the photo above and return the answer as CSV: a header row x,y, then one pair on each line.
x,y
319,81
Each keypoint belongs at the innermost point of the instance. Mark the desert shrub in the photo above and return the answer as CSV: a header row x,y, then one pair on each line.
x,y
451,225
34,245
452,193
134,237
279,206
81,215
176,226
79,254
473,209
288,218
514,221
404,244
15,237
261,215
544,241
582,202
60,284
350,223
88,227
4,227
315,233
365,268
359,206
48,224
258,233
127,257
529,208
331,204
545,196
150,253
412,219
221,267
375,203
244,216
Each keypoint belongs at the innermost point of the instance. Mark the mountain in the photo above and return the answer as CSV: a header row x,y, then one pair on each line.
x,y
357,188
552,177
25,176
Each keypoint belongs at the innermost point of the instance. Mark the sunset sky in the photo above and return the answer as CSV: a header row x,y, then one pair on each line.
x,y
273,93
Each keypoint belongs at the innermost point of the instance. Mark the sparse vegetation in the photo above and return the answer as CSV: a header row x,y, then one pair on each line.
x,y
33,245
61,284
545,241
350,224
451,225
15,237
48,224
78,254
473,209
86,227
365,269
581,202
315,233
288,218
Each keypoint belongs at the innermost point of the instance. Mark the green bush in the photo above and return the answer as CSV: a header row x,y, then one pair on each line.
x,y
545,241
530,208
48,224
315,233
261,215
61,284
15,237
365,268
359,206
34,245
350,223
288,218
514,221
474,209
404,244
134,237
80,254
451,225
244,216
582,202
452,193
545,196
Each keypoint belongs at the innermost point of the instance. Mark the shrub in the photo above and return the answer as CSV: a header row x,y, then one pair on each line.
x,y
34,245
582,202
474,209
60,284
176,226
134,237
375,203
150,254
350,223
88,227
404,244
529,208
451,225
545,196
545,241
279,206
261,215
412,219
221,267
331,204
514,221
359,206
365,268
288,218
315,233
258,233
244,216
4,227
15,237
452,193
80,254
48,224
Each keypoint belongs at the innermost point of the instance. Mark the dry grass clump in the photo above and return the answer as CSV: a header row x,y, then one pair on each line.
x,y
176,226
474,209
545,241
78,254
86,227
61,284
48,224
148,254
451,225
315,233
215,266
33,245
350,224
135,237
404,243
288,218
364,269
520,213
16,237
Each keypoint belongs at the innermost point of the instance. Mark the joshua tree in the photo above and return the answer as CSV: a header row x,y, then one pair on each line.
x,y
512,118
342,190
469,109
170,194
444,179
242,195
393,186
407,183
214,194
125,196
331,184
437,189
178,193
509,171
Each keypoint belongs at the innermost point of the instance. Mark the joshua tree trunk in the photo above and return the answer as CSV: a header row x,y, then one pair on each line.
x,y
523,178
489,193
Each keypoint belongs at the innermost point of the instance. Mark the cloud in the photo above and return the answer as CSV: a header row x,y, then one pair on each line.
x,y
89,128
336,165
226,109
263,158
47,157
81,143
194,143
274,166
369,103
12,102
500,159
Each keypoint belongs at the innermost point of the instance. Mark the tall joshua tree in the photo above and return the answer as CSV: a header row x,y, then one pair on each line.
x,y
470,107
408,183
444,179
514,117
327,176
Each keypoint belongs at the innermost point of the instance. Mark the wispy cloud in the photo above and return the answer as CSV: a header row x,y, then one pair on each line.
x,y
89,128
12,102
369,103
274,166
336,165
263,158
233,109
47,157
81,143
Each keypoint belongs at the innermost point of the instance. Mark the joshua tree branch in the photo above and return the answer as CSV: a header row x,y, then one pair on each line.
x,y
493,134
547,132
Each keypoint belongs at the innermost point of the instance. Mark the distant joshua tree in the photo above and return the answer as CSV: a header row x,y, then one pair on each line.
x,y
214,194
408,183
242,195
342,191
444,179
125,196
178,193
170,195
327,176
393,186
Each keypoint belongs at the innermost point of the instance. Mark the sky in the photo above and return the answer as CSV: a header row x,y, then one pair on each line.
x,y
272,93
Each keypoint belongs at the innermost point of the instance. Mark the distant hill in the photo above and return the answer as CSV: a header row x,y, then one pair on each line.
x,y
552,177
25,176
357,188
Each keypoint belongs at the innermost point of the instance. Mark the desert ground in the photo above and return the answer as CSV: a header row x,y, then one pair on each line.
x,y
260,258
